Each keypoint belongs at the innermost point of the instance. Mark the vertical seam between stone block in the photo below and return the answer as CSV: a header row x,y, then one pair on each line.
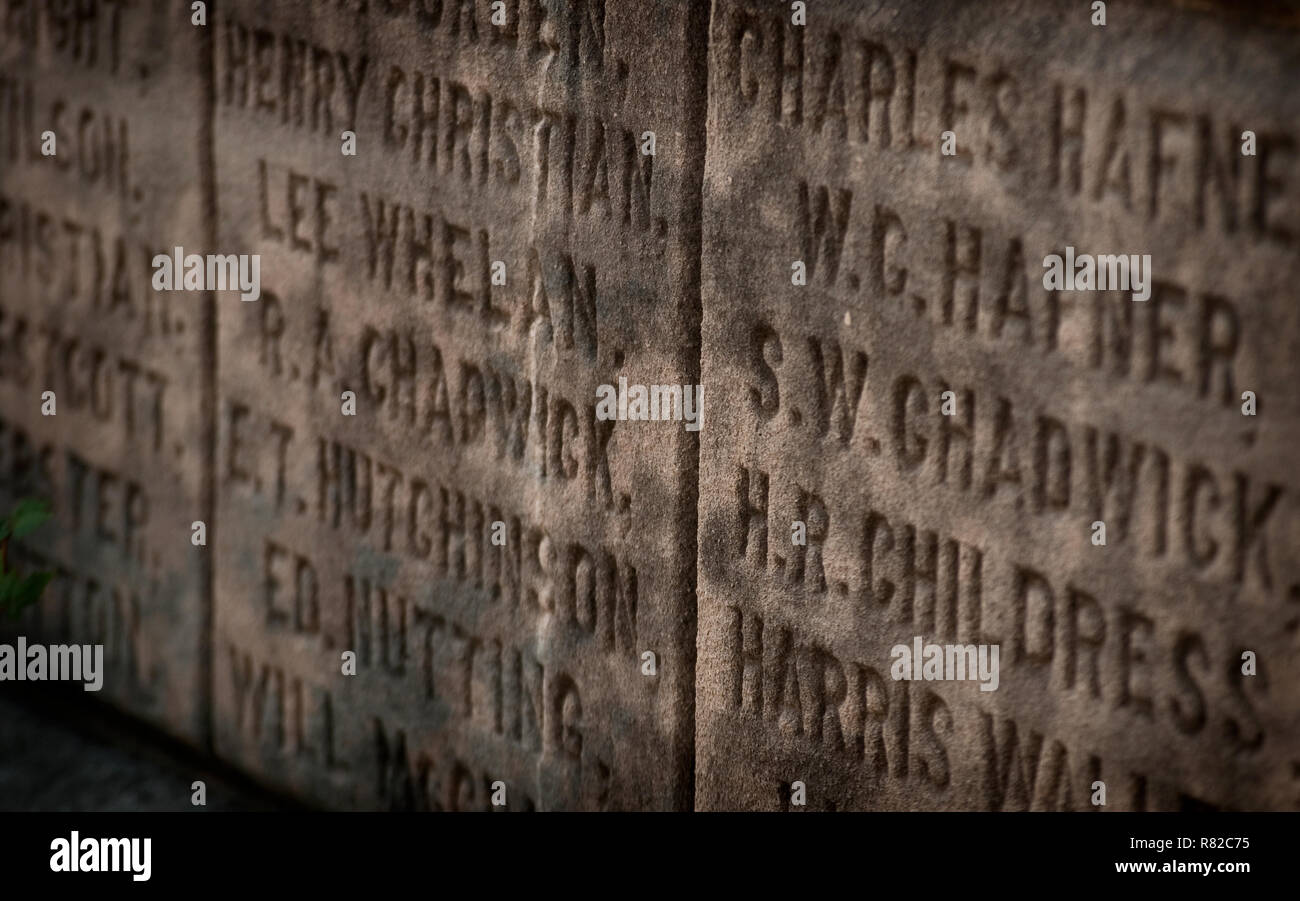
x,y
698,23
208,367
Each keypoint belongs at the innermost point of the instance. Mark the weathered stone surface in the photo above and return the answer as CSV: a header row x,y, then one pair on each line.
x,y
1120,663
522,143
475,663
123,458
77,759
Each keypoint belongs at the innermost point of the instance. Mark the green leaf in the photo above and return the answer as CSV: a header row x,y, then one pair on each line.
x,y
9,583
29,590
29,516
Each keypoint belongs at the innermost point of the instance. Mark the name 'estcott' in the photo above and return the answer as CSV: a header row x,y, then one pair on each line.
x,y
220,272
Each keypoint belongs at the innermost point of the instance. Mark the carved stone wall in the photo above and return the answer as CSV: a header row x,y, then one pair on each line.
x,y
631,398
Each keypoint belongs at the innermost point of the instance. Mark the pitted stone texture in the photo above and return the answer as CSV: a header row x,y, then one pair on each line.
x,y
1120,663
476,663
123,459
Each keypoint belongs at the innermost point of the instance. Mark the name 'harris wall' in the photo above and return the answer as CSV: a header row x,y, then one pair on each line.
x,y
1120,663
500,560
